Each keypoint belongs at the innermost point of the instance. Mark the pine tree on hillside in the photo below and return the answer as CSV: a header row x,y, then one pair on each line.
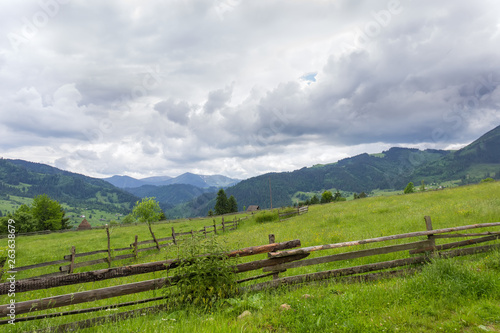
x,y
221,203
232,205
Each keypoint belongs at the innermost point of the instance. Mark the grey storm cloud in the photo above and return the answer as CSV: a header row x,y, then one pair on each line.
x,y
237,87
176,112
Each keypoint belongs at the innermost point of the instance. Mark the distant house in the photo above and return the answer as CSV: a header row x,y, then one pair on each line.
x,y
85,225
253,208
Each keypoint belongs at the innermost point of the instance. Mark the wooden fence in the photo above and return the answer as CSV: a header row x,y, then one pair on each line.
x,y
282,257
119,225
291,213
69,263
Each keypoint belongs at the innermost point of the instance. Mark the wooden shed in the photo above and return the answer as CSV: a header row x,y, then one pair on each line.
x,y
85,225
253,208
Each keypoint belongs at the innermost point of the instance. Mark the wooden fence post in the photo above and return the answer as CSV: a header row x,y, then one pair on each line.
x,y
173,236
205,231
271,241
154,237
428,225
109,246
192,233
223,226
72,264
135,247
215,228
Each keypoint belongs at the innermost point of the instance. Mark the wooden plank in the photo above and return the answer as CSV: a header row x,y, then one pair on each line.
x,y
94,309
286,214
456,244
264,248
124,248
366,268
85,296
43,264
349,255
468,235
381,239
254,265
102,320
339,272
257,277
183,233
85,254
97,261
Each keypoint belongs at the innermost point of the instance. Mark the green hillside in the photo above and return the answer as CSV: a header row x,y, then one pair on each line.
x,y
461,294
355,174
389,170
476,161
22,179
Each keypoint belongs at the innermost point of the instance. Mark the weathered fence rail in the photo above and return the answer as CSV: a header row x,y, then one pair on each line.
x,y
133,247
282,257
297,211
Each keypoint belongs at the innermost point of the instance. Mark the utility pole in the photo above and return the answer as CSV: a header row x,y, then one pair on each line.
x,y
270,193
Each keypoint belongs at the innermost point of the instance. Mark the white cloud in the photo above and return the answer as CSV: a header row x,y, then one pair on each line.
x,y
240,87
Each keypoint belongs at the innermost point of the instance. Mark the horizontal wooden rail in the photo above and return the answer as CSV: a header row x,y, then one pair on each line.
x,y
93,309
350,255
380,239
85,296
43,264
366,268
456,244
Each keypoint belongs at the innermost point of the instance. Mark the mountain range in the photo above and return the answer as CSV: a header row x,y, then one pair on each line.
x,y
392,169
200,181
193,195
19,178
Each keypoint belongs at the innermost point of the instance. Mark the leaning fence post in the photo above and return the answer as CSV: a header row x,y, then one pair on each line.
x,y
72,258
215,228
205,231
223,226
428,225
109,246
173,236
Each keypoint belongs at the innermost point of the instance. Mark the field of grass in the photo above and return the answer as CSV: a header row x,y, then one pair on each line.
x,y
461,294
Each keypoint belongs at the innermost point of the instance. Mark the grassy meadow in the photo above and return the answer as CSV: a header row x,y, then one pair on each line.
x,y
453,295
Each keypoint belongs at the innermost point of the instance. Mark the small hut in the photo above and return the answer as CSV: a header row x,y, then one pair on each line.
x,y
85,225
253,208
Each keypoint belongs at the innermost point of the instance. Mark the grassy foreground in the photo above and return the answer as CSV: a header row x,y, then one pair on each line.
x,y
454,295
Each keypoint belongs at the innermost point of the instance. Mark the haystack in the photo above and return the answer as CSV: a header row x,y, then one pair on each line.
x,y
85,225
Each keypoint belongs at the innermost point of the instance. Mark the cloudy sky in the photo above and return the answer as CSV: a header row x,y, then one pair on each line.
x,y
240,87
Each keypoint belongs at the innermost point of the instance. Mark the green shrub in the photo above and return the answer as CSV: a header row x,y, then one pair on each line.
x,y
205,274
267,217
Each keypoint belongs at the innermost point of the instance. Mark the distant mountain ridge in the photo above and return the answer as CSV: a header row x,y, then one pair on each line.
x,y
28,179
391,169
170,195
201,181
